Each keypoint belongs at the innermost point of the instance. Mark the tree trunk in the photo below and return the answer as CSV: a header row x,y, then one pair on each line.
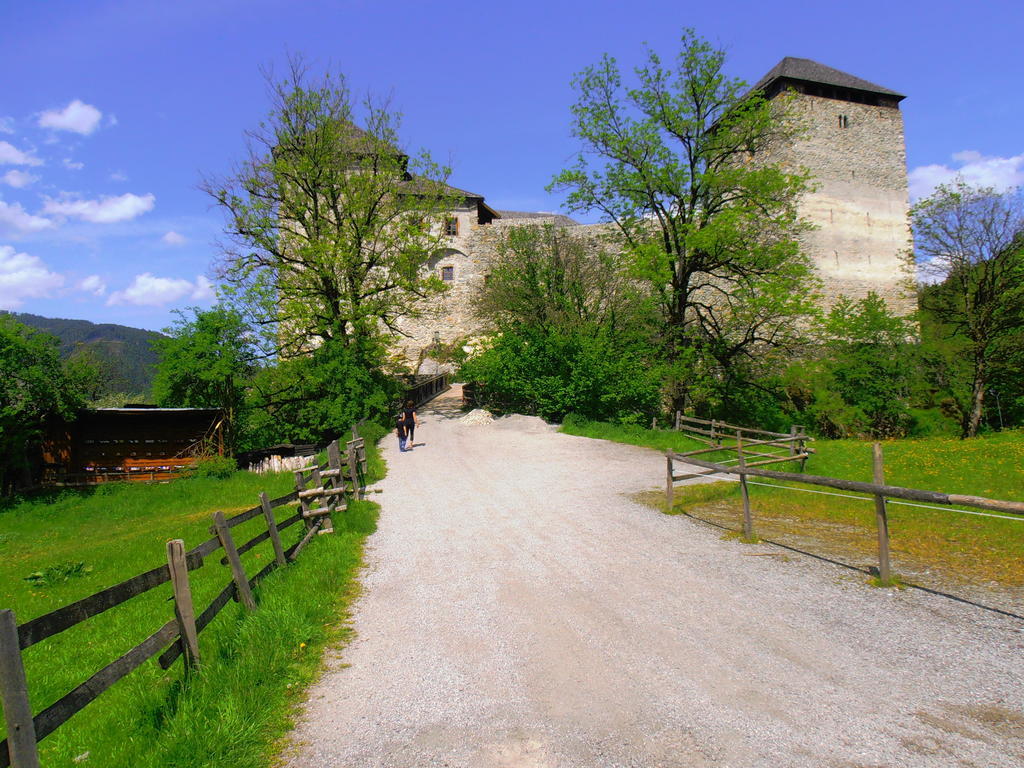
x,y
977,406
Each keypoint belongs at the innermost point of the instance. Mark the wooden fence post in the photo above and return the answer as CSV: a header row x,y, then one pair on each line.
x,y
748,521
678,419
183,609
275,537
669,488
884,568
713,442
336,480
792,442
21,730
237,571
654,422
300,486
352,457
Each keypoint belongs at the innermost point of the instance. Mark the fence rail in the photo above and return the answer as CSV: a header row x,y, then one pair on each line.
x,y
345,476
877,490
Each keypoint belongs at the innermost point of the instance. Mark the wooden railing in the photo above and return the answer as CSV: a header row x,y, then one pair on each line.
x,y
877,490
320,491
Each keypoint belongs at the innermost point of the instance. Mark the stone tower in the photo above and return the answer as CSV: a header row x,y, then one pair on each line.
x,y
853,146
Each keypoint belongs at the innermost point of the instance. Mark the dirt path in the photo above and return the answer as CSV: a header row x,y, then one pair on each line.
x,y
521,610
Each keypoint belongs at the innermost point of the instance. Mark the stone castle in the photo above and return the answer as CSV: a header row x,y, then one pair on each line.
x,y
852,144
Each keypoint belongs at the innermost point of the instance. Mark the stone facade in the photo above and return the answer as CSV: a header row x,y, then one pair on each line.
x,y
469,256
859,202
852,144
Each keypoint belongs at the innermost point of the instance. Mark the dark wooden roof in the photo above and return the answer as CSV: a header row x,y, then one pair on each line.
x,y
809,71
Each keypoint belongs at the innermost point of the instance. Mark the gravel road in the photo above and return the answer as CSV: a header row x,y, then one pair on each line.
x,y
521,610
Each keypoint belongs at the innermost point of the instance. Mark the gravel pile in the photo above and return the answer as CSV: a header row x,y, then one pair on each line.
x,y
477,417
520,610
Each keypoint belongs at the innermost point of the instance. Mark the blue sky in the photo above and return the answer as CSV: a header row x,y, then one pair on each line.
x,y
112,111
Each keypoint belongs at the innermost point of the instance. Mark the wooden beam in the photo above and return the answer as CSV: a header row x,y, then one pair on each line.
x,y
237,571
275,537
183,610
19,748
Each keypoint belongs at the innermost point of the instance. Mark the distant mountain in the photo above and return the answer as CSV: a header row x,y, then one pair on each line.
x,y
125,355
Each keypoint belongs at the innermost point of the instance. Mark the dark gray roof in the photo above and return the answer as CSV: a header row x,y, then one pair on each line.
x,y
811,71
558,217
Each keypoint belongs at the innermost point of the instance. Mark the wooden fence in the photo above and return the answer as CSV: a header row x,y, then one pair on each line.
x,y
320,490
877,490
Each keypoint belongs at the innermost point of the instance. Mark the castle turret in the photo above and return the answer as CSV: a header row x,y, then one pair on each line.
x,y
853,146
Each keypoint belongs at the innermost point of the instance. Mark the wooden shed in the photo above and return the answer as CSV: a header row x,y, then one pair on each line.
x,y
133,443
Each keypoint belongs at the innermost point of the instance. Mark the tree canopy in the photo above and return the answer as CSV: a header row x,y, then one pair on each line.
x,y
328,223
34,387
679,163
970,242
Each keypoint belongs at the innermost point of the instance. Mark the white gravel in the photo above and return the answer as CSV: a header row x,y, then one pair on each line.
x,y
521,610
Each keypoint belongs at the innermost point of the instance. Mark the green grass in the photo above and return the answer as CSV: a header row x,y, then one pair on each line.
x,y
927,544
254,665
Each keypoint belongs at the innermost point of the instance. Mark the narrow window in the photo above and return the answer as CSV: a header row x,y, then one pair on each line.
x,y
447,274
451,226
844,121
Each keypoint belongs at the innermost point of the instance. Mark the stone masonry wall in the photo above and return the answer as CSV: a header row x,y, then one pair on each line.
x,y
470,255
859,206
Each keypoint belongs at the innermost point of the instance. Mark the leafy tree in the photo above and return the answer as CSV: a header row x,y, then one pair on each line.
x,y
318,396
572,332
677,163
971,240
206,361
860,384
34,387
328,224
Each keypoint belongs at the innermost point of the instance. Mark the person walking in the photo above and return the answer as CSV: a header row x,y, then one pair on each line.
x,y
402,433
411,420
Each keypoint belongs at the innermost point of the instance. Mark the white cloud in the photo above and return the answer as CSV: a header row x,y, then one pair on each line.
x,y
6,125
72,165
106,210
16,218
11,155
77,117
93,284
119,176
173,238
18,179
204,290
24,277
147,290
976,169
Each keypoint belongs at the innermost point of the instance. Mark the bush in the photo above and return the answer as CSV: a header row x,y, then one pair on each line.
x,y
220,467
586,371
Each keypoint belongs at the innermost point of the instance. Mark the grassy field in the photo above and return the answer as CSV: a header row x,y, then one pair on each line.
x,y
938,548
57,548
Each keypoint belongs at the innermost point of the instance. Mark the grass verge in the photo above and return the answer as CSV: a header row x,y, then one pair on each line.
x,y
255,666
935,547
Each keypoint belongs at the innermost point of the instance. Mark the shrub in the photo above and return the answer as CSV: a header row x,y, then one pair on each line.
x,y
220,467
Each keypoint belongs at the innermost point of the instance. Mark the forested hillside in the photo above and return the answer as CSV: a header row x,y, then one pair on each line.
x,y
124,355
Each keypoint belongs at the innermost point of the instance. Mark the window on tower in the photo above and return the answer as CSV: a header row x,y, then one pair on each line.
x,y
844,121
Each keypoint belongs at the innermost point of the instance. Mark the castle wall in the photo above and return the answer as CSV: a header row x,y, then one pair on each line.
x,y
859,206
470,254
